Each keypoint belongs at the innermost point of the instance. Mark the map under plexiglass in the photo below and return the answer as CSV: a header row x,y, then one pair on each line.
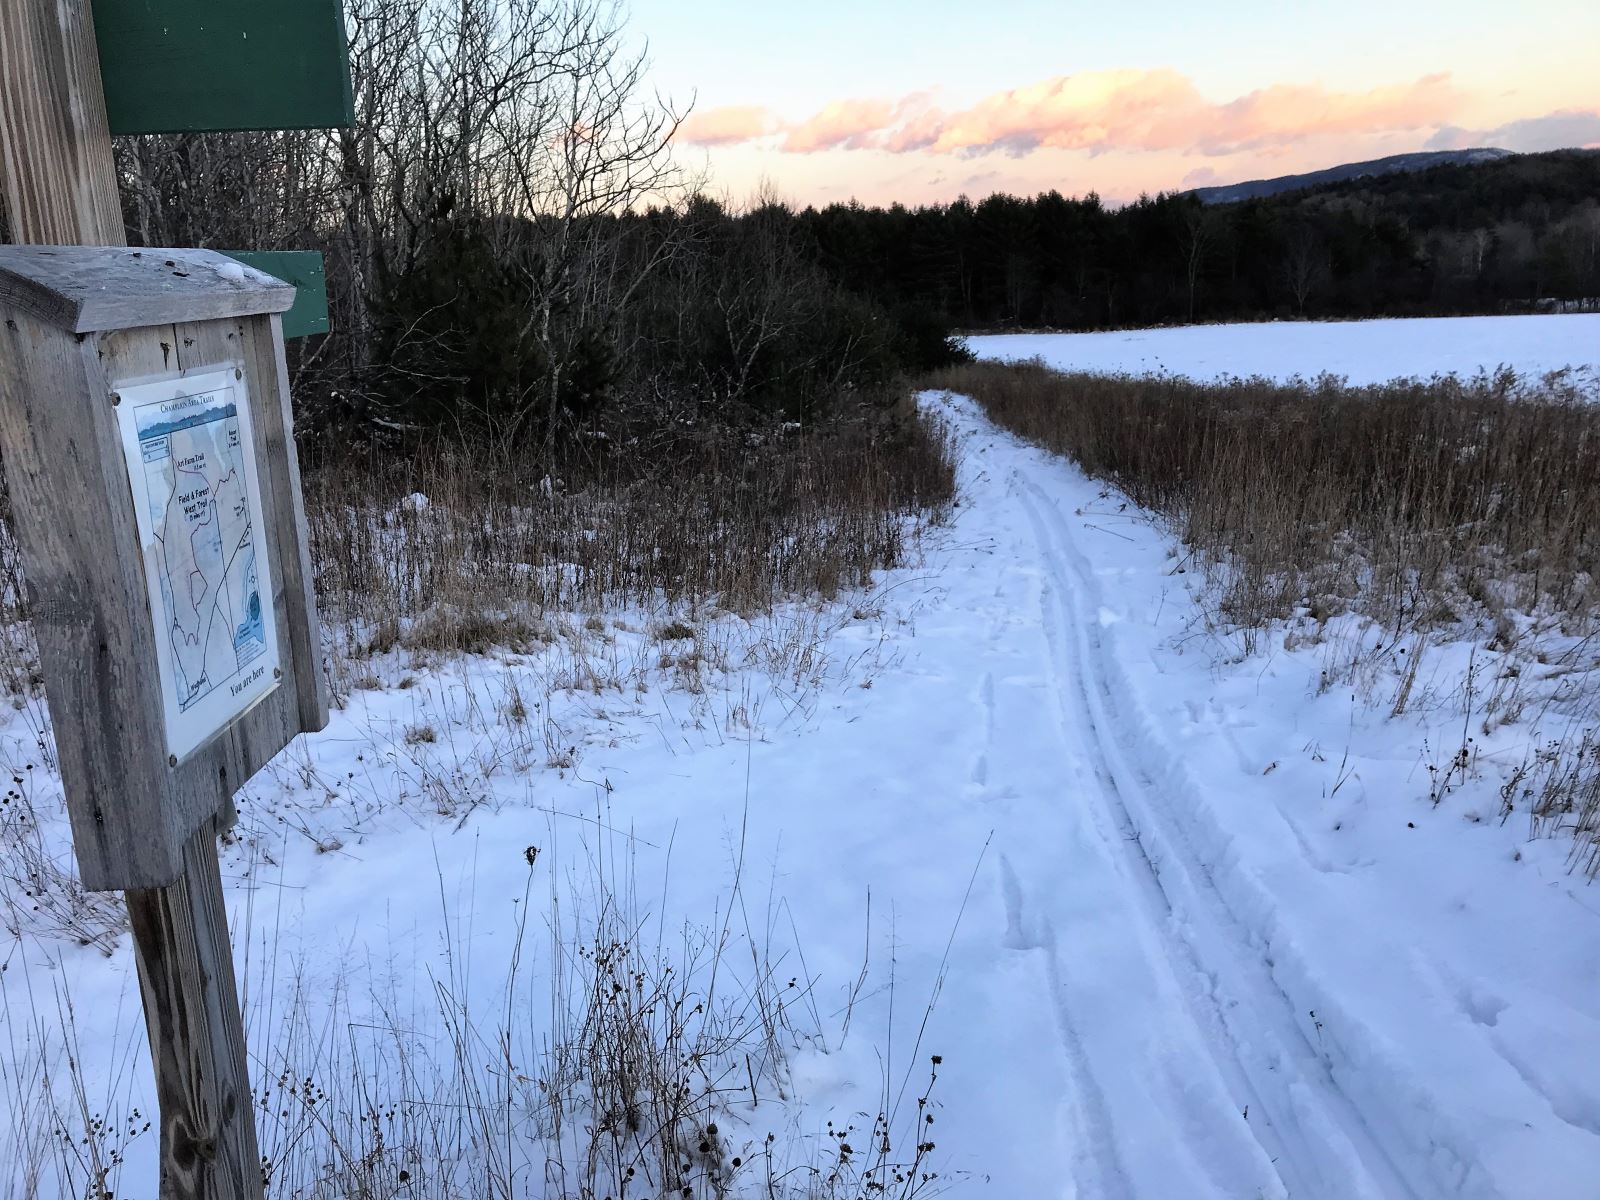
x,y
192,471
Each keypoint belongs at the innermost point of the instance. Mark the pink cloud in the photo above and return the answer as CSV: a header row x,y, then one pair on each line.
x,y
918,131
850,124
1102,111
725,126
1287,112
1094,110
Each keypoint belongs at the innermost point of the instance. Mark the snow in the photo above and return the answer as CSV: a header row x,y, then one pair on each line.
x,y
1190,925
238,272
1362,351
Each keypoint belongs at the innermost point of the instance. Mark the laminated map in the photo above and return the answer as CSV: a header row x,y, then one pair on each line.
x,y
197,503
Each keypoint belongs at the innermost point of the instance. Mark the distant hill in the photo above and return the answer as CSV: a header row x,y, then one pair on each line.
x,y
1394,164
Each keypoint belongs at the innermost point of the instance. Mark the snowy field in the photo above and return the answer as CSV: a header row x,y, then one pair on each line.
x,y
1187,921
1362,351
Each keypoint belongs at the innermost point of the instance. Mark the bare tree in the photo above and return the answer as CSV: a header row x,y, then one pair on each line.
x,y
1200,227
1305,265
523,119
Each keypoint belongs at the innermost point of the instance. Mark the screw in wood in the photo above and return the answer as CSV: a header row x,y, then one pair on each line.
x,y
172,760
237,373
116,398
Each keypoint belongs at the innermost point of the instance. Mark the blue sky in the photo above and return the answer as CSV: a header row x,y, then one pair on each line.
x,y
1062,70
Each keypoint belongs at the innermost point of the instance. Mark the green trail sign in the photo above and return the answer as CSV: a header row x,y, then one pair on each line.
x,y
303,269
191,66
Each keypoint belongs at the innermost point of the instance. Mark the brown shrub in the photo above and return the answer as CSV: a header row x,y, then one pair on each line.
x,y
458,547
1414,502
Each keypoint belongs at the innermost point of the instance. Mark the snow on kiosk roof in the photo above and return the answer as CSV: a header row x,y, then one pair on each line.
x,y
95,289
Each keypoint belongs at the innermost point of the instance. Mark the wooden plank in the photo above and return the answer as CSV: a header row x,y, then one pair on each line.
x,y
191,1005
58,423
187,66
285,510
64,461
55,154
61,446
86,289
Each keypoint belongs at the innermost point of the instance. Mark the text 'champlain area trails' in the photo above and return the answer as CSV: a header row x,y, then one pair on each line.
x,y
530,676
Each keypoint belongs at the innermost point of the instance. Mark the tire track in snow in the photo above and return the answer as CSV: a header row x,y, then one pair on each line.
x,y
1314,1134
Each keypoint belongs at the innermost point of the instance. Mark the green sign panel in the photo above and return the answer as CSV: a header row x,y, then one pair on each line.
x,y
191,66
303,268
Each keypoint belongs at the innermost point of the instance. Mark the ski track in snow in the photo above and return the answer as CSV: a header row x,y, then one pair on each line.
x,y
1201,1041
1305,1138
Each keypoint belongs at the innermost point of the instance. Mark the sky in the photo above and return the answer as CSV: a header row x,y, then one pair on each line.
x,y
890,100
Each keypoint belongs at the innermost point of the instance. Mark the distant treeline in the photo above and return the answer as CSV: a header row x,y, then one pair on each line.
x,y
1510,235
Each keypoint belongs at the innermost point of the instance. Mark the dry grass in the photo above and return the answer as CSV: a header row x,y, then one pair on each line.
x,y
1418,504
1438,509
613,1055
1561,785
459,549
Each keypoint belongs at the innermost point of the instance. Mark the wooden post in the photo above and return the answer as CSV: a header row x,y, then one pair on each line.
x,y
191,1011
55,147
60,188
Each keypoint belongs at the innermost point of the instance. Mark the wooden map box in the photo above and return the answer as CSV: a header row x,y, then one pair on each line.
x,y
148,446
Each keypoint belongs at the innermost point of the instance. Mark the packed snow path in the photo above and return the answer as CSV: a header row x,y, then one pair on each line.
x,y
1231,1020
1188,1063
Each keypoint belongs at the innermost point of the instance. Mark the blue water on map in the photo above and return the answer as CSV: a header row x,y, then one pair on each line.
x,y
251,634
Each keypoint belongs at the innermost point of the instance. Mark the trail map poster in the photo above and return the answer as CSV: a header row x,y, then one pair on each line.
x,y
192,471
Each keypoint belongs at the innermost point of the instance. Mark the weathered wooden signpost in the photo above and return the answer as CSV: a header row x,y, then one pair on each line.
x,y
147,440
144,423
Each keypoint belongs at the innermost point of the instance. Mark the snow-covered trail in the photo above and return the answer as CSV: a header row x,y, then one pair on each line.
x,y
1229,1021
1185,1070
1190,1050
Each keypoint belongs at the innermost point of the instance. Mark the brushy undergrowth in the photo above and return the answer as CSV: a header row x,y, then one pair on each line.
x,y
1436,508
461,546
458,547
